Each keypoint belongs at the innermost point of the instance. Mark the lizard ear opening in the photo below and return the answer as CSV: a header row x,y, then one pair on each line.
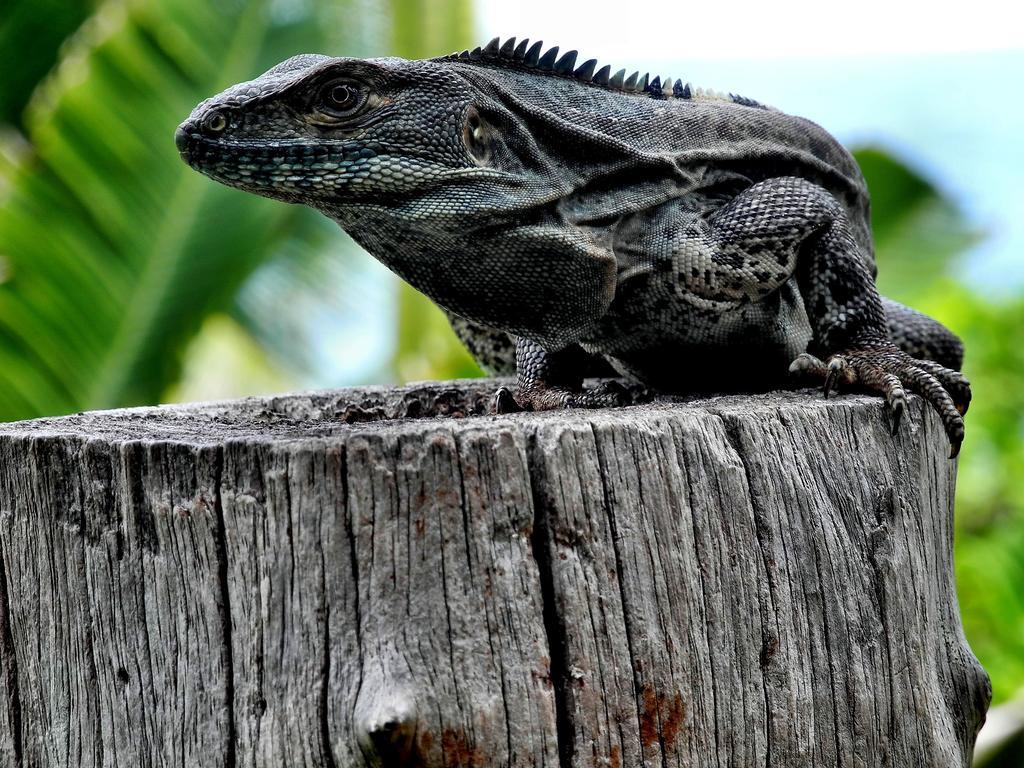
x,y
477,135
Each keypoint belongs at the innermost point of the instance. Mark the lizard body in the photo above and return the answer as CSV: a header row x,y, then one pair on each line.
x,y
573,222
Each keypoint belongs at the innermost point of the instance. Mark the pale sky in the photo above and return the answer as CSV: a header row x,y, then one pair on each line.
x,y
703,29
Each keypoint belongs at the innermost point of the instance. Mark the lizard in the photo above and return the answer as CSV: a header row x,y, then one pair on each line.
x,y
575,222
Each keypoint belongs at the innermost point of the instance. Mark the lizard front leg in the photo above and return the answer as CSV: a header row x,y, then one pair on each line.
x,y
793,216
550,380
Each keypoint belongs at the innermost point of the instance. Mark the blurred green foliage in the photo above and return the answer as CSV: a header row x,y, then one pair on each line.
x,y
113,253
123,273
113,250
31,33
920,238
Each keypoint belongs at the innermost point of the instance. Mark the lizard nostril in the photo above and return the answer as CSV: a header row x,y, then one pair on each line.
x,y
215,122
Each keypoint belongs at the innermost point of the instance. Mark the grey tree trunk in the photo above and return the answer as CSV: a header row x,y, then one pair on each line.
x,y
385,577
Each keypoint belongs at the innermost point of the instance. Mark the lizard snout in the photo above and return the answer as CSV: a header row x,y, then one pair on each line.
x,y
211,124
181,140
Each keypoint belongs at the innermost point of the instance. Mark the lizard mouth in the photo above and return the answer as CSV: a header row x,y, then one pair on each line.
x,y
274,168
195,148
298,171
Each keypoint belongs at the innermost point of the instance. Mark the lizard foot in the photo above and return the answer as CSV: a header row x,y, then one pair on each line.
x,y
607,394
882,367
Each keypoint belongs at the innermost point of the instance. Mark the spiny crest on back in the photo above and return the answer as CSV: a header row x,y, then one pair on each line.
x,y
533,58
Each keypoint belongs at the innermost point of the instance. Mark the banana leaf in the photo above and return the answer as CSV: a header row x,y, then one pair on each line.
x,y
113,251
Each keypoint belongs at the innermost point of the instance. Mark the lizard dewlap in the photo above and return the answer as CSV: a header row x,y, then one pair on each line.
x,y
573,221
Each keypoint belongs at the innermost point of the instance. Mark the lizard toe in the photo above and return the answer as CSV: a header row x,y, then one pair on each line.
x,y
929,387
536,397
876,378
807,364
837,370
610,393
884,368
954,382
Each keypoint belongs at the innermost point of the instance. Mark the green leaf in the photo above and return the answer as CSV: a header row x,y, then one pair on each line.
x,y
114,251
918,232
31,33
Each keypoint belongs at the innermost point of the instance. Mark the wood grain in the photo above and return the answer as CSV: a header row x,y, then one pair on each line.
x,y
389,577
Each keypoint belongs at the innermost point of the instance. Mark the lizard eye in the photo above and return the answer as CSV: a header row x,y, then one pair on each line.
x,y
215,123
340,99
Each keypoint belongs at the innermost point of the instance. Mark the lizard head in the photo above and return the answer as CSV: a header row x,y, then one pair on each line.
x,y
340,133
450,171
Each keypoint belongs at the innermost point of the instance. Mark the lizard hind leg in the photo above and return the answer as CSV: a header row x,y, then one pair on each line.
x,y
846,313
922,337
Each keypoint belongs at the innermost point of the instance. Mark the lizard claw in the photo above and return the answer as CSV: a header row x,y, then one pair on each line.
x,y
837,366
897,400
502,401
837,370
881,366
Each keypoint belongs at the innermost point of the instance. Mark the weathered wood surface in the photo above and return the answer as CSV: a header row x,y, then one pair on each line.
x,y
345,579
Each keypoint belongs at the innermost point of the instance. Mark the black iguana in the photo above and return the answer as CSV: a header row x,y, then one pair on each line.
x,y
572,221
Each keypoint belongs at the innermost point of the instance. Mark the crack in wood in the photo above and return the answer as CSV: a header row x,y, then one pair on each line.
x,y
542,547
626,618
220,545
92,676
8,655
325,671
762,529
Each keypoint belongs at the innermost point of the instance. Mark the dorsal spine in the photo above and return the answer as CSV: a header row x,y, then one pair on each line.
x,y
534,58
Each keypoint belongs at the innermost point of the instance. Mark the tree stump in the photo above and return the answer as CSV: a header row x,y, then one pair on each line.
x,y
388,577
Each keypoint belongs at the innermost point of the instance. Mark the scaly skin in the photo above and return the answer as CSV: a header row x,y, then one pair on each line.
x,y
573,222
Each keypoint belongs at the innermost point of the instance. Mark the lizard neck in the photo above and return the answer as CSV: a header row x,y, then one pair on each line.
x,y
429,258
539,279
